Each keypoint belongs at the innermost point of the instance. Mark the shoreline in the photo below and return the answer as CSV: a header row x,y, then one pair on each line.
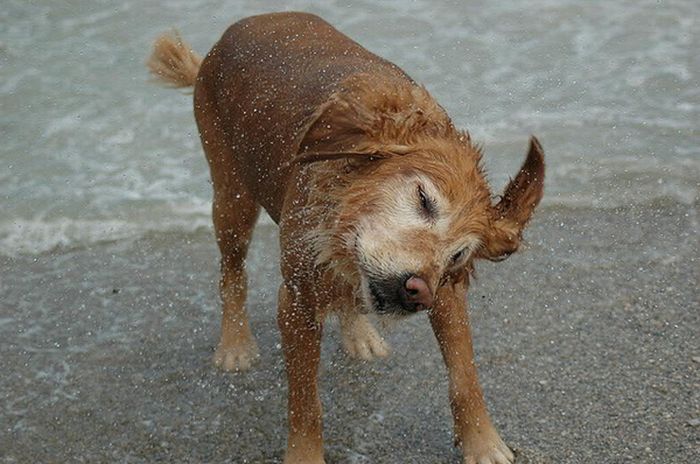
x,y
201,223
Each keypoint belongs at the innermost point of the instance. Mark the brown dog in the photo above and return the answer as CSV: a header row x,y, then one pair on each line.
x,y
381,202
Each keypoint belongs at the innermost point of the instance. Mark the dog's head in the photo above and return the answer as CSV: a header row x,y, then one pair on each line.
x,y
414,210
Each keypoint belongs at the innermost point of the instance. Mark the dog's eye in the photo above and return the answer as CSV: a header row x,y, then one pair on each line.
x,y
427,205
457,256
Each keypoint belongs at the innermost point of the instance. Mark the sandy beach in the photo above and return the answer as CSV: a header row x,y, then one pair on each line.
x,y
587,345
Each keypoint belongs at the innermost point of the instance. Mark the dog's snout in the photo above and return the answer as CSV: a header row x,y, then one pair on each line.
x,y
415,294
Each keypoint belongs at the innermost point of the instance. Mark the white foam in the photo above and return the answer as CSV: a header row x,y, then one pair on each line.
x,y
40,235
36,236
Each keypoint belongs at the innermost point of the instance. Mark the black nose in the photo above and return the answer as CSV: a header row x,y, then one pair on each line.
x,y
415,295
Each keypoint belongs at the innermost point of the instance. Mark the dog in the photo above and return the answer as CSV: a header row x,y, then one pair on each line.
x,y
382,205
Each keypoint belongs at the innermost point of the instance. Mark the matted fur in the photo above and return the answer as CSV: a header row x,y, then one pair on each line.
x,y
373,187
403,127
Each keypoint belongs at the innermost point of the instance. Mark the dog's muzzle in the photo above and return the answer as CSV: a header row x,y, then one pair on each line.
x,y
404,294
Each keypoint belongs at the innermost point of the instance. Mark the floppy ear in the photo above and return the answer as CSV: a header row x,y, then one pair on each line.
x,y
370,153
367,119
510,215
337,130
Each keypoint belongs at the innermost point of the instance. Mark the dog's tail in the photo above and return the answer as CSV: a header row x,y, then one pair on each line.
x,y
173,63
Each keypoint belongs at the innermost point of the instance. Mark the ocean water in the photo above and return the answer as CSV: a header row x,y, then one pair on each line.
x,y
92,151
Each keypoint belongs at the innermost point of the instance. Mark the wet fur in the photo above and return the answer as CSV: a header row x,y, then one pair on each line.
x,y
348,152
406,128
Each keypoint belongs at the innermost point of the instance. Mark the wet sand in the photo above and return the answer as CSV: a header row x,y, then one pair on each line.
x,y
587,343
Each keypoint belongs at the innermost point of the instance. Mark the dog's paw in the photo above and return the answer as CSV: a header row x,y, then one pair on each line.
x,y
303,460
360,339
304,452
483,450
235,358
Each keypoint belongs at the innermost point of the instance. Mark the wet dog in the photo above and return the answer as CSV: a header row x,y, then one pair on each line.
x,y
381,202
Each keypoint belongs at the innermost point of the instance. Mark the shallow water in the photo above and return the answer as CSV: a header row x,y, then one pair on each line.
x,y
93,152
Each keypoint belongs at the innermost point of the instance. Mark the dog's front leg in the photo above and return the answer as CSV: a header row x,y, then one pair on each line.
x,y
301,342
474,432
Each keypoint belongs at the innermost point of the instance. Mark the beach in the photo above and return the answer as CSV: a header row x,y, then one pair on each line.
x,y
586,341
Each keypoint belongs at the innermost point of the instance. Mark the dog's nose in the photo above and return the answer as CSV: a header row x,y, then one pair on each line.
x,y
415,294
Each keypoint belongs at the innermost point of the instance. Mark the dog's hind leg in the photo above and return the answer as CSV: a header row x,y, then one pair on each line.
x,y
234,212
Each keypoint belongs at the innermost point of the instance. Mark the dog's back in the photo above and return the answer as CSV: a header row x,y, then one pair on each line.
x,y
266,76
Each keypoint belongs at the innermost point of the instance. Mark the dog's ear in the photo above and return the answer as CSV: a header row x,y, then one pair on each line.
x,y
368,119
515,207
342,128
370,153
